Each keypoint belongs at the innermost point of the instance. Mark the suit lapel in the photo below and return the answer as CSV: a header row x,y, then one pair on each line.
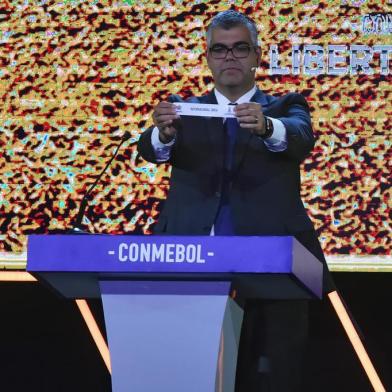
x,y
244,135
260,98
215,130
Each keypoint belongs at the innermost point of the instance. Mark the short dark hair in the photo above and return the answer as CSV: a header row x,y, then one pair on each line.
x,y
231,18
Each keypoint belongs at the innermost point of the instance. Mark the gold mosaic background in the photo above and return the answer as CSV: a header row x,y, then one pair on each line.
x,y
75,75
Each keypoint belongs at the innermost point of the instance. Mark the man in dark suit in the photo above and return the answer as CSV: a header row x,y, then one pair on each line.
x,y
241,176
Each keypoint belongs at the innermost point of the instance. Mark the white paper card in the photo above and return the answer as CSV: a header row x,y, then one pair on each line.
x,y
204,109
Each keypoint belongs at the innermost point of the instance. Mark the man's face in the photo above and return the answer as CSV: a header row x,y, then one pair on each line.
x,y
232,72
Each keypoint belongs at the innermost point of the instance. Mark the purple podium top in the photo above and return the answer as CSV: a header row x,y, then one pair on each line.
x,y
133,255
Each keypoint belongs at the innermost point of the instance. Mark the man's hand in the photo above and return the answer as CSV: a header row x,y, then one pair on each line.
x,y
164,116
250,116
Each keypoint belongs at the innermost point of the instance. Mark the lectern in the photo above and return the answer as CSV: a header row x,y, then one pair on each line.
x,y
172,304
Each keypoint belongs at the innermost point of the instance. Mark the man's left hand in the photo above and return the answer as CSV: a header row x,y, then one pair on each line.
x,y
250,116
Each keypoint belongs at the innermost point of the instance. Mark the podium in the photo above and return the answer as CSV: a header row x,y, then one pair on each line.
x,y
172,304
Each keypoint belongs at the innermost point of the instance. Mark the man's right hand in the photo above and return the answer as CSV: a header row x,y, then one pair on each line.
x,y
164,116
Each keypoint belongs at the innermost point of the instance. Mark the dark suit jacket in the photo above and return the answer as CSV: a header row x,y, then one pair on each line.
x,y
265,192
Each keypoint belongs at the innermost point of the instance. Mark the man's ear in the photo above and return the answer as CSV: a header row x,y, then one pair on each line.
x,y
206,52
258,56
205,47
207,57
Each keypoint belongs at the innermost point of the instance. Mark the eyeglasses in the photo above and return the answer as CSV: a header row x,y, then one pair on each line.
x,y
239,51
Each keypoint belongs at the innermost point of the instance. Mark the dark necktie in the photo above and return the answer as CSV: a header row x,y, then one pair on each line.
x,y
231,127
224,221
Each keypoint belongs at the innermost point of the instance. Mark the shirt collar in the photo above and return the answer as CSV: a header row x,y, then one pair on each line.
x,y
222,100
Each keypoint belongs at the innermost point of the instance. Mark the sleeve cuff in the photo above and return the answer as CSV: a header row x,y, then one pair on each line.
x,y
278,140
156,142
